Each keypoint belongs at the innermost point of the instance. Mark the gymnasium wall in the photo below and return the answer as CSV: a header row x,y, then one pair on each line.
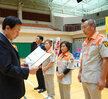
x,y
29,38
24,49
23,42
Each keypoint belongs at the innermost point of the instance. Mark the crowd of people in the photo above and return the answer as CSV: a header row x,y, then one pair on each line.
x,y
92,73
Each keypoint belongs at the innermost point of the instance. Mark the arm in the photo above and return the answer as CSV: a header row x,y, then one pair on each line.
x,y
43,47
80,71
33,70
48,66
70,66
52,60
57,71
7,64
103,50
101,81
66,71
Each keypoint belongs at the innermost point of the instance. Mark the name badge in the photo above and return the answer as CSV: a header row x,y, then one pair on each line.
x,y
93,43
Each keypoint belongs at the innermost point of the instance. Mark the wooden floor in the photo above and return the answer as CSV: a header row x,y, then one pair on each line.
x,y
76,88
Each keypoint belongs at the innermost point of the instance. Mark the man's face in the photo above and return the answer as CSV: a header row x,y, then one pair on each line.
x,y
11,34
87,29
38,40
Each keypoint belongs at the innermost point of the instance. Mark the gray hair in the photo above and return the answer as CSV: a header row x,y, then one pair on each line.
x,y
91,22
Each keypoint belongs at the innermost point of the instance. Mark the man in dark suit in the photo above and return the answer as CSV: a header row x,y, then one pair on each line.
x,y
39,73
12,75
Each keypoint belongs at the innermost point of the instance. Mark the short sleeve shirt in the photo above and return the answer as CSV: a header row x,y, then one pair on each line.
x,y
93,50
46,62
65,61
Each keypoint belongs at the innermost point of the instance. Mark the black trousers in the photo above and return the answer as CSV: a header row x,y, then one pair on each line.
x,y
40,79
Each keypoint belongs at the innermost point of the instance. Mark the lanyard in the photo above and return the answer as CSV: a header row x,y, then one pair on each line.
x,y
61,61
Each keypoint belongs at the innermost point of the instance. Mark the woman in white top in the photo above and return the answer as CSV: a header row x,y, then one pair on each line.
x,y
48,70
64,67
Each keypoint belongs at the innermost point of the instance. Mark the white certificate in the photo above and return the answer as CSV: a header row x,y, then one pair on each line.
x,y
37,57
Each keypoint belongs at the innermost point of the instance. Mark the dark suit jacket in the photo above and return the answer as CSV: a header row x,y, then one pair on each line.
x,y
34,46
42,46
11,75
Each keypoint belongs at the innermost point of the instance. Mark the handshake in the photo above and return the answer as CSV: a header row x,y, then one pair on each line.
x,y
32,69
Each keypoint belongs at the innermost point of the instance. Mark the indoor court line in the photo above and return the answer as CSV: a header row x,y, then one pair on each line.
x,y
76,88
35,86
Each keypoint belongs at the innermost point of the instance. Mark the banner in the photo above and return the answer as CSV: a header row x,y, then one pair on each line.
x,y
57,46
106,24
52,44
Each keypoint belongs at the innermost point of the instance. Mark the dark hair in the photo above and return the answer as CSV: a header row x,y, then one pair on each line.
x,y
67,44
11,21
83,20
40,37
49,41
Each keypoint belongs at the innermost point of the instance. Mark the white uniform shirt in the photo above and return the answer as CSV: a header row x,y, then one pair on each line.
x,y
46,62
63,62
93,51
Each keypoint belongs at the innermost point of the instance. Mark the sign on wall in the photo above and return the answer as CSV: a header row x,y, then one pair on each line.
x,y
106,24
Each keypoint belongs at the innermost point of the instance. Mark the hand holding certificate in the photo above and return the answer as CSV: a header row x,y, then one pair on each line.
x,y
37,57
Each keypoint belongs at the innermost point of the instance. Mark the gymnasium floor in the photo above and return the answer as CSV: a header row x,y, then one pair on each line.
x,y
76,88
